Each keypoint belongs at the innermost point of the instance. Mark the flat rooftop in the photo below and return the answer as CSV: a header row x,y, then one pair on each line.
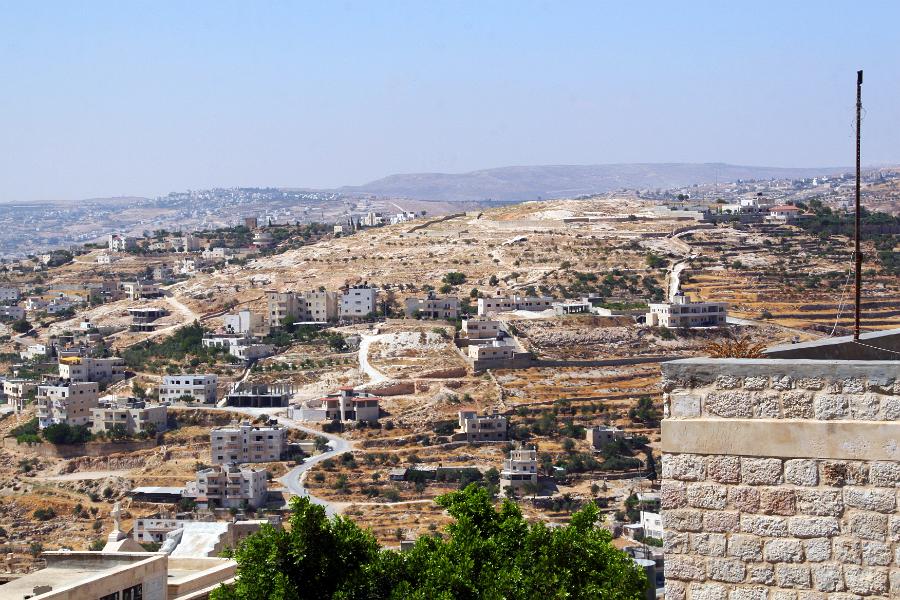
x,y
878,345
73,568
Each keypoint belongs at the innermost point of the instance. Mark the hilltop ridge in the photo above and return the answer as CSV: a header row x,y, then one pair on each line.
x,y
566,181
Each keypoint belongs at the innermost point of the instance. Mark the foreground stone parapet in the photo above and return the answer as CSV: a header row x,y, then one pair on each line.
x,y
780,479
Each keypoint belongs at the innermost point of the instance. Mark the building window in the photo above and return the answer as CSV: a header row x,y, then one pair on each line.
x,y
135,592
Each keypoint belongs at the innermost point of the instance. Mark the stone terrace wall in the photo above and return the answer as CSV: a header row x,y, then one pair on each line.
x,y
780,479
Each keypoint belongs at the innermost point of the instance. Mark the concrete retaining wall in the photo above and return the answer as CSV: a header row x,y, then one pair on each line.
x,y
780,479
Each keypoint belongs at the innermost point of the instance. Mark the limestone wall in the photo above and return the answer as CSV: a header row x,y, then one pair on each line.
x,y
780,479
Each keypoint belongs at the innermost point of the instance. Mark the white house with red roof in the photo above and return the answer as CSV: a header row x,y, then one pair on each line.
x,y
784,213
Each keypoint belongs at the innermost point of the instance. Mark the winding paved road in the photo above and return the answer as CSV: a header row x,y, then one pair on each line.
x,y
293,480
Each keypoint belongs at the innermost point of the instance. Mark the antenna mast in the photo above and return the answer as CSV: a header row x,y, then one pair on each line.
x,y
857,255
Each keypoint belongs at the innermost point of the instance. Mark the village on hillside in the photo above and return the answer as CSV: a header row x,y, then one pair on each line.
x,y
178,389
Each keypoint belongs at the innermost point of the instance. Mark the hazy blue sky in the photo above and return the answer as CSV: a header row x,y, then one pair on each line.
x,y
147,97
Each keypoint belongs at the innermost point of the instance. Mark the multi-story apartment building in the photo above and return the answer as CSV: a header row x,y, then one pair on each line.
x,y
359,301
321,306
202,388
228,486
480,328
78,369
282,305
433,307
519,469
503,304
185,243
9,294
135,290
17,391
682,312
66,402
121,243
246,443
245,322
136,416
482,428
163,273
12,312
372,219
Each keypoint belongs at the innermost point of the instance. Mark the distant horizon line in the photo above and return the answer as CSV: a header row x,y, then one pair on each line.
x,y
847,168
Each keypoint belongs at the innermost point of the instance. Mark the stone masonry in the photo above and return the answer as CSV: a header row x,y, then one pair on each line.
x,y
780,479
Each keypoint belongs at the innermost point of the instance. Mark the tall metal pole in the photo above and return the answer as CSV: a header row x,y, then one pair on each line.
x,y
857,254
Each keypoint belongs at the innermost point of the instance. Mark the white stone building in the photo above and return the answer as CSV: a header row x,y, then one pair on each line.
x,y
321,306
480,328
682,312
12,312
359,301
282,305
247,443
121,243
248,352
17,391
651,524
433,307
78,369
202,388
9,294
346,404
493,351
185,243
229,486
136,416
244,322
482,428
66,402
135,290
503,304
784,213
519,469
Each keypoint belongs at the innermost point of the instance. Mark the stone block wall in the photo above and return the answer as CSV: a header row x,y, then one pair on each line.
x,y
780,479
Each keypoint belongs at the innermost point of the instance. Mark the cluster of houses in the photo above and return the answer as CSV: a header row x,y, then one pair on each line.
x,y
73,398
321,306
372,219
183,244
753,209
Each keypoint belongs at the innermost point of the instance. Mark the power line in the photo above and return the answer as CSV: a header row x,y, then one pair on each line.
x,y
857,342
841,304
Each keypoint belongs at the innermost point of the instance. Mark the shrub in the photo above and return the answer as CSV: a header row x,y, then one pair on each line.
x,y
44,514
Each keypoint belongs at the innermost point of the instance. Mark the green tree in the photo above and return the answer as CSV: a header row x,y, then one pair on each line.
x,y
318,558
21,326
487,553
118,432
454,278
